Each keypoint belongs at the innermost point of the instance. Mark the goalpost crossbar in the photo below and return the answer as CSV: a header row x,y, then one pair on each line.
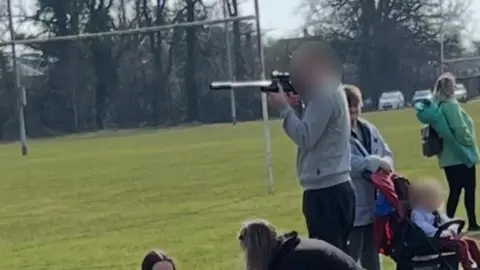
x,y
126,31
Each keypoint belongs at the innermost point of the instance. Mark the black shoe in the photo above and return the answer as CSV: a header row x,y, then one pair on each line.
x,y
474,228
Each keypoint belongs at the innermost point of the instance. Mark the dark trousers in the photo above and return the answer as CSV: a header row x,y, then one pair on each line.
x,y
461,177
361,247
330,213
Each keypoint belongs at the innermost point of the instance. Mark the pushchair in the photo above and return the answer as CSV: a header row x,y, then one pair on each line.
x,y
399,238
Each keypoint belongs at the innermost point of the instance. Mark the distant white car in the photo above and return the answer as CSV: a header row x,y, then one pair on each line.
x,y
420,95
461,92
391,100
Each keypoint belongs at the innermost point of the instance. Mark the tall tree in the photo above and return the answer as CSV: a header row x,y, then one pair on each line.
x,y
233,10
190,68
3,19
60,18
99,20
385,35
164,74
155,15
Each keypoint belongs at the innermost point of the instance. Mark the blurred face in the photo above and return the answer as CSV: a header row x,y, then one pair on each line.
x,y
430,199
355,112
304,72
163,265
298,76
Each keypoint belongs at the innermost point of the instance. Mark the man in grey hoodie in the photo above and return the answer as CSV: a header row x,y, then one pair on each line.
x,y
321,132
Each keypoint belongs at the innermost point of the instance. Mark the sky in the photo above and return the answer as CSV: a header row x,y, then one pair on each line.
x,y
280,17
276,19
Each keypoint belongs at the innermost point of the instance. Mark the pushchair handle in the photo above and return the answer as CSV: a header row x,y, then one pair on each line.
x,y
459,223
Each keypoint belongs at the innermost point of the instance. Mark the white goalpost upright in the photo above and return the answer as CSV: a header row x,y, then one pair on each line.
x,y
21,95
268,149
264,101
266,127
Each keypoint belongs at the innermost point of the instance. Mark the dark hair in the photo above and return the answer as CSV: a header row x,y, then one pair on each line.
x,y
154,257
354,95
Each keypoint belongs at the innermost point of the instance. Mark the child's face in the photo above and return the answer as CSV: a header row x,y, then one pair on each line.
x,y
430,199
355,112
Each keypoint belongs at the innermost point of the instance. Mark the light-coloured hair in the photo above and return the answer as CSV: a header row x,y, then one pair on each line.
x,y
258,239
354,95
445,87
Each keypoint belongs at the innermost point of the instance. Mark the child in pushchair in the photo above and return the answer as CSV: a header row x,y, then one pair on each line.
x,y
398,237
426,199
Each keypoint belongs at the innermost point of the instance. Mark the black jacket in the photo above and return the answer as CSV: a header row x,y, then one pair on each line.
x,y
294,253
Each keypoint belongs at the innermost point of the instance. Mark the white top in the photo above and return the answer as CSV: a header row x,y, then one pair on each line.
x,y
426,221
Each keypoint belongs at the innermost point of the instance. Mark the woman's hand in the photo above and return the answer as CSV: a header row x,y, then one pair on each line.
x,y
385,166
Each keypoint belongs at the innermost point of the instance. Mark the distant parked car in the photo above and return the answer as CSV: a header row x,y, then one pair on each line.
x,y
461,92
391,100
420,95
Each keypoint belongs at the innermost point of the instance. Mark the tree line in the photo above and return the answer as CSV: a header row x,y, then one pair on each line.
x,y
161,78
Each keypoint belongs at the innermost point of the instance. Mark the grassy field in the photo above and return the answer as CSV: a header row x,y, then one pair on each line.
x,y
100,201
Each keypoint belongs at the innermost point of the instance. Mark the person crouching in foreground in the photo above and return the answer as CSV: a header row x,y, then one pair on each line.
x,y
157,260
370,153
426,199
265,249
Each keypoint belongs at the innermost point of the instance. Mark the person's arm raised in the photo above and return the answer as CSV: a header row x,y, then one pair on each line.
x,y
305,132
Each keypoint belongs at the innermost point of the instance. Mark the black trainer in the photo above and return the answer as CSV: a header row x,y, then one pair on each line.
x,y
474,228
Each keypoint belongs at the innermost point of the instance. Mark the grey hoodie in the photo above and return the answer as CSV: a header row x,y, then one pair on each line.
x,y
322,137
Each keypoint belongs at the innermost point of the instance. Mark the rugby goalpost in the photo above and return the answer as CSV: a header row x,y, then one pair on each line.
x,y
226,20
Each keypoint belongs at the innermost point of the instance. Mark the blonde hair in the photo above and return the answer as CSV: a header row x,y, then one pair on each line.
x,y
258,239
425,188
445,87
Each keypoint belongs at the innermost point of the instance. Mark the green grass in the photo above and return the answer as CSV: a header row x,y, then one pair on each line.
x,y
99,201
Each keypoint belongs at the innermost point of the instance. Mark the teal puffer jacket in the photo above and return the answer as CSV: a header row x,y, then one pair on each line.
x,y
454,152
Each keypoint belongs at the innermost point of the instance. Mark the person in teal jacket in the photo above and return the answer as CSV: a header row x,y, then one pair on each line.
x,y
459,152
